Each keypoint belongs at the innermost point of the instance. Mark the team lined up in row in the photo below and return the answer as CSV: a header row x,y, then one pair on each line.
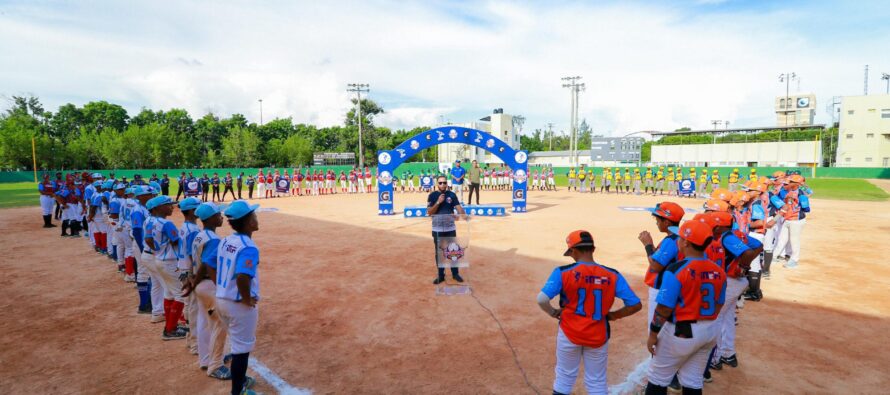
x,y
654,180
202,287
695,276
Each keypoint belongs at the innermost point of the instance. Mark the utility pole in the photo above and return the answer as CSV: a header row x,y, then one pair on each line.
x,y
714,138
261,112
358,89
550,133
574,88
886,77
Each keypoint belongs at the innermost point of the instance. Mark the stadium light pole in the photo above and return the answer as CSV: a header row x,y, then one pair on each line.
x,y
886,77
786,78
261,112
358,89
574,87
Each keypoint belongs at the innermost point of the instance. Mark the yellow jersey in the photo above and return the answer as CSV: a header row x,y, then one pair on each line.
x,y
715,178
637,176
703,178
753,177
617,176
670,175
581,174
648,174
571,174
608,174
733,178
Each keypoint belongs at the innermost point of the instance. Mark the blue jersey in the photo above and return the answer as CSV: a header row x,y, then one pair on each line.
x,y
165,235
237,254
666,254
456,173
148,231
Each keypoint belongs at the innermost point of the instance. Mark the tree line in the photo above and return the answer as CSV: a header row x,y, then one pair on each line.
x,y
102,135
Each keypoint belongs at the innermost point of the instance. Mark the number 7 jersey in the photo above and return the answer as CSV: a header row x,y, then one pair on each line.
x,y
587,291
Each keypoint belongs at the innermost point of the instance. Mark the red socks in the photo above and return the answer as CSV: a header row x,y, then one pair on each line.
x,y
172,313
130,265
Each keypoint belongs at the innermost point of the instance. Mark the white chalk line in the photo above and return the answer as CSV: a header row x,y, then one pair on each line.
x,y
283,387
633,380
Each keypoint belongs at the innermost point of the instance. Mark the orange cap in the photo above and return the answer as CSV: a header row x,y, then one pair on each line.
x,y
668,210
720,218
763,180
778,174
704,217
578,238
695,232
797,179
739,199
721,194
716,205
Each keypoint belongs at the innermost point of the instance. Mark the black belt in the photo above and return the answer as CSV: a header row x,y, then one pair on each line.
x,y
683,329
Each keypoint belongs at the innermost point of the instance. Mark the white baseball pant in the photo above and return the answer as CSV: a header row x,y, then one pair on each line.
x,y
157,284
568,362
756,264
210,328
46,204
240,321
790,235
169,272
684,357
726,318
653,294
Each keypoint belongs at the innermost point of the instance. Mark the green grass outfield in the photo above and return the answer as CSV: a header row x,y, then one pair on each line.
x,y
20,194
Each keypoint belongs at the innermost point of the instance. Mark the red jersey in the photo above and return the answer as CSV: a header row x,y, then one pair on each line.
x,y
367,173
269,179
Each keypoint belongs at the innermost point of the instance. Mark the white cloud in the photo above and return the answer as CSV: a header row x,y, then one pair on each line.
x,y
646,67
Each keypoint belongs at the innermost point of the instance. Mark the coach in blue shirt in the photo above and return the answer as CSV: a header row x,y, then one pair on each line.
x,y
457,179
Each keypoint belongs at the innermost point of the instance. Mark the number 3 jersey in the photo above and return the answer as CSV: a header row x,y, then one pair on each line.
x,y
693,287
236,254
586,292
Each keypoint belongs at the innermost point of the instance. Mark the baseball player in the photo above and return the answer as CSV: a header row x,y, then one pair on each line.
x,y
587,291
715,180
238,288
683,329
369,181
96,217
619,181
753,175
164,241
703,182
47,190
138,217
186,266
666,214
228,184
649,177
607,180
211,332
637,181
571,177
659,182
793,206
115,209
734,180
270,185
260,185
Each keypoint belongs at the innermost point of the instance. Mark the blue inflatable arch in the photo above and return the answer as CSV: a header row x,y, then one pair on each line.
x,y
389,160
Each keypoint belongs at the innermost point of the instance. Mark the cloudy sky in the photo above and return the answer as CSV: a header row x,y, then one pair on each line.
x,y
646,65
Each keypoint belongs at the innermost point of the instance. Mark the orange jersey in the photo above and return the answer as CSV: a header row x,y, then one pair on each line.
x,y
693,288
587,291
665,254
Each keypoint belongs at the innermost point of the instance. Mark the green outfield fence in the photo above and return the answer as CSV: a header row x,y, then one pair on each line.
x,y
418,167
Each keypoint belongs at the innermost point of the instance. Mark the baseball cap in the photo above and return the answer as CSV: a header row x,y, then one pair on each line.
x,y
120,185
207,210
719,218
239,208
716,205
158,201
97,184
721,194
695,232
739,199
108,184
754,170
797,179
154,185
778,174
668,210
578,238
139,191
189,204
96,175
128,191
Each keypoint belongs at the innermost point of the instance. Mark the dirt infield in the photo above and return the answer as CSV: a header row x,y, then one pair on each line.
x,y
348,305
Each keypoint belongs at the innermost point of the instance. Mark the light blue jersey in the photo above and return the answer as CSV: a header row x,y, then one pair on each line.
x,y
237,254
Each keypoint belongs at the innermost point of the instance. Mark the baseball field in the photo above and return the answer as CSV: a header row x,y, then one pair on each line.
x,y
348,305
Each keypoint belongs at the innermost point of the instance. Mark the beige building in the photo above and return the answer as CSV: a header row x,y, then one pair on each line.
x,y
864,135
779,154
795,110
498,124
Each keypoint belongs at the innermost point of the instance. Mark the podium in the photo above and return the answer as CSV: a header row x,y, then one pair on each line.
x,y
482,210
451,238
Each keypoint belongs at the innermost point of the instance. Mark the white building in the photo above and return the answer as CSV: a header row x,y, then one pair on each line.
x,y
864,132
742,153
498,124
